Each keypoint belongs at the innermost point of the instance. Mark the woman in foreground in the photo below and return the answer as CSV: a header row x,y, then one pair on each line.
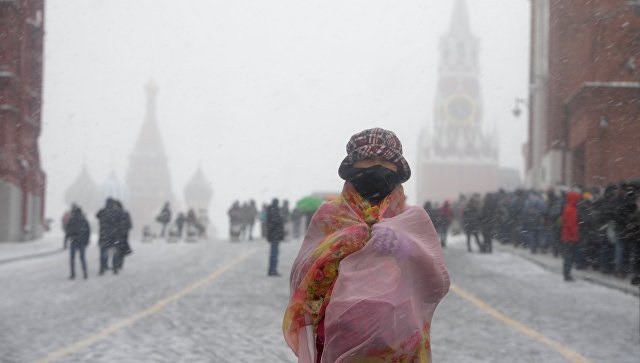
x,y
370,272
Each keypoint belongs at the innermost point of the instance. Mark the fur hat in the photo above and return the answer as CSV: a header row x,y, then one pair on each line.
x,y
375,142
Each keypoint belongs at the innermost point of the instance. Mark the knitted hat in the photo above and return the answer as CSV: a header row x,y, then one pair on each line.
x,y
375,142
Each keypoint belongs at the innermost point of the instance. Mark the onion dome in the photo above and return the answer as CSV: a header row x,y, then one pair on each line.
x,y
198,191
83,192
113,188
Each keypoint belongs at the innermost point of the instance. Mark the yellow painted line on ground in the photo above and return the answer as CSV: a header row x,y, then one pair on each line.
x,y
571,355
157,307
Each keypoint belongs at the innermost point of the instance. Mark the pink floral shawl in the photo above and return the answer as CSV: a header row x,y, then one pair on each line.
x,y
374,274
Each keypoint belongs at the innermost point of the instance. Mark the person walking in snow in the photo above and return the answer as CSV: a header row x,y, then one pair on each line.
x,y
533,216
251,215
489,221
78,233
446,216
369,273
235,221
108,221
180,220
275,235
164,218
123,226
471,222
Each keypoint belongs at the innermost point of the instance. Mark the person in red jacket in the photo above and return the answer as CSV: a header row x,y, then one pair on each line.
x,y
570,238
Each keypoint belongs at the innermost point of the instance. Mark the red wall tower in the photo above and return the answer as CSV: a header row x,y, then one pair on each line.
x,y
22,180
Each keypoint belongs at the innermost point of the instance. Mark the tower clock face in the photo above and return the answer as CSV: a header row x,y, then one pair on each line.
x,y
459,109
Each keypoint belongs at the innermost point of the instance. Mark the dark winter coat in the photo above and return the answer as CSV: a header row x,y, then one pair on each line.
x,y
570,219
123,227
275,224
588,220
78,230
109,225
471,217
489,214
165,215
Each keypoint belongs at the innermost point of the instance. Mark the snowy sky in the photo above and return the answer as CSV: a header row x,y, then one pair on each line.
x,y
263,94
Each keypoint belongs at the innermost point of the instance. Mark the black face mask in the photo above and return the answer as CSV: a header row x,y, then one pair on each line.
x,y
373,183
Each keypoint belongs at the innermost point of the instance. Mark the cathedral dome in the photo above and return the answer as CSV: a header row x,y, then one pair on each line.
x,y
113,188
198,191
83,192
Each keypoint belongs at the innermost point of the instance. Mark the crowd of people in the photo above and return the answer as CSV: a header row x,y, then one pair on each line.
x,y
114,223
277,224
243,217
273,219
595,229
113,237
192,226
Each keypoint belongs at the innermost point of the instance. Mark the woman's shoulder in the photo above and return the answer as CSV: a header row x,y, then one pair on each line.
x,y
414,211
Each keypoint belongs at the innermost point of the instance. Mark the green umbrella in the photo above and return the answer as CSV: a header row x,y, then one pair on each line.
x,y
309,203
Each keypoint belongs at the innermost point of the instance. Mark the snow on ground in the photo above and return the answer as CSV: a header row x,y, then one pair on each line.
x,y
236,316
48,244
597,322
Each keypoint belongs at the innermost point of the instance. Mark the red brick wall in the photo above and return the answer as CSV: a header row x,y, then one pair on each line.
x,y
612,153
589,41
21,60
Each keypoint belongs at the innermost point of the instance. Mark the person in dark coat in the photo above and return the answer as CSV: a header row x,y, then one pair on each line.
x,y
570,237
588,225
489,220
252,214
164,218
471,222
554,213
445,217
275,235
532,219
123,226
235,221
108,220
78,232
180,220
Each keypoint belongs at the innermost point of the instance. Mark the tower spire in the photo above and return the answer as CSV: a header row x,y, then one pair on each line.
x,y
148,177
152,90
460,18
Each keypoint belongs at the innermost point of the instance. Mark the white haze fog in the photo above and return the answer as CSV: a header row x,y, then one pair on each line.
x,y
263,94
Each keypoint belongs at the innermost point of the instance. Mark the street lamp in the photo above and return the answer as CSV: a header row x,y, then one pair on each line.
x,y
516,107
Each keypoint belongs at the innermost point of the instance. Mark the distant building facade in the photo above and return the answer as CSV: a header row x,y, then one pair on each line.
x,y
22,181
148,178
457,156
584,101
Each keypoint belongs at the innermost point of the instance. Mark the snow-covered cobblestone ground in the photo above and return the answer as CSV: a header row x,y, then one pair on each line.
x,y
235,315
51,243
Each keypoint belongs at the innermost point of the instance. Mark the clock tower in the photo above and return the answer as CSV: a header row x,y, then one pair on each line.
x,y
456,155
